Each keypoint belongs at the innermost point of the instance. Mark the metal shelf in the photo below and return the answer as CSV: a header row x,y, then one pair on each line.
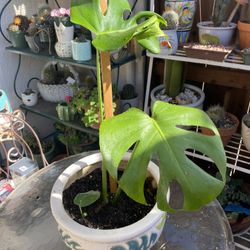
x,y
48,110
238,157
91,64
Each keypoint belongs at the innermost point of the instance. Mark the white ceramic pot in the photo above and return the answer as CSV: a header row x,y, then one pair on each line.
x,y
198,104
64,34
245,131
172,38
63,49
208,34
76,236
30,100
128,103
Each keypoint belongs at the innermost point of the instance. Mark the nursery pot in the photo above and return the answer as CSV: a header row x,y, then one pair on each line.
x,y
80,237
244,34
17,39
81,51
173,40
198,104
30,100
225,133
245,130
208,34
185,10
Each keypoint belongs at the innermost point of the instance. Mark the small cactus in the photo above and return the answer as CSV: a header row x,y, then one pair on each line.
x,y
128,92
216,113
171,17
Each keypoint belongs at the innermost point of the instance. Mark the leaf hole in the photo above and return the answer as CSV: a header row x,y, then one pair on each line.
x,y
176,199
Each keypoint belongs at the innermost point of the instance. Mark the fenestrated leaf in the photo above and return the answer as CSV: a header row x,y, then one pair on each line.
x,y
87,198
111,30
160,135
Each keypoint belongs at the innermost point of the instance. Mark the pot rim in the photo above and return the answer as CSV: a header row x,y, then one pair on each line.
x,y
244,118
203,25
98,235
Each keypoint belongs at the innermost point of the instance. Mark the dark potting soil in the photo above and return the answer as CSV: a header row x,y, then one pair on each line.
x,y
109,216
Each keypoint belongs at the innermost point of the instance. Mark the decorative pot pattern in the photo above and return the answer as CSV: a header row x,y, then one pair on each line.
x,y
81,51
63,49
140,235
30,100
64,34
173,40
185,10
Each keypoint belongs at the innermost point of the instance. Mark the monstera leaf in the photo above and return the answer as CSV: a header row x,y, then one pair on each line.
x,y
111,30
164,136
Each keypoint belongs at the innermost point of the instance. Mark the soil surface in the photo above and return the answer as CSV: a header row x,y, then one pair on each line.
x,y
109,216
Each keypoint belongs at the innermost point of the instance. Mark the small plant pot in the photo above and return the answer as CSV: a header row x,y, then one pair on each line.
x,y
81,51
128,103
63,49
245,130
244,34
173,40
208,34
77,236
225,133
33,43
246,56
198,104
65,112
48,155
84,147
64,34
31,99
17,39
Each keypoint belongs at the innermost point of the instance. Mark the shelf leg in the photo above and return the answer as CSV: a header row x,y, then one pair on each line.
x,y
150,69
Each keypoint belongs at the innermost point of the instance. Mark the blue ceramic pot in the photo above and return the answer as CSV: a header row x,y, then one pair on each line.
x,y
81,51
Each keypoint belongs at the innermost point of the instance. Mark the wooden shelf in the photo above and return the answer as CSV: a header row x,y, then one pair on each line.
x,y
48,110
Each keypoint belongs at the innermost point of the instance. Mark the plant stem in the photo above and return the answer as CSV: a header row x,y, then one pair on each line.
x,y
99,86
117,195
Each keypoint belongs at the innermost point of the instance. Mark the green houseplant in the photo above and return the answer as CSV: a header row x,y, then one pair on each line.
x,y
159,135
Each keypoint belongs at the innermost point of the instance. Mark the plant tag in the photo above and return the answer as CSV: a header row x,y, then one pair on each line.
x,y
70,80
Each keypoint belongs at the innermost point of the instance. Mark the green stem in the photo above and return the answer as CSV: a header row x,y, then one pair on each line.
x,y
99,86
117,195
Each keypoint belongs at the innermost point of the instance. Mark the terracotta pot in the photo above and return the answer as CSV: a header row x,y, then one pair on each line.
x,y
225,133
244,34
80,237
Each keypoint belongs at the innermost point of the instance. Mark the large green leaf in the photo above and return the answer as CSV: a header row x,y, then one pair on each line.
x,y
111,30
161,136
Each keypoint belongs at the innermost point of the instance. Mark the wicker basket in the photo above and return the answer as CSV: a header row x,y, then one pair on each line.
x,y
57,92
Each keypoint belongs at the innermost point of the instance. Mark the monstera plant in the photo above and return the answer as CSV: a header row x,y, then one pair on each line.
x,y
166,135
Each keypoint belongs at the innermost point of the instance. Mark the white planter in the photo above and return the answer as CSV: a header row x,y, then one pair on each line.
x,y
172,38
80,237
30,100
64,34
198,104
63,50
128,103
207,32
245,131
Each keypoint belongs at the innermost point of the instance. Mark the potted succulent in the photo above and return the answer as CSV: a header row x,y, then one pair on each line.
x,y
65,110
129,98
220,30
226,123
169,45
76,141
56,81
81,49
245,130
17,30
159,135
30,97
